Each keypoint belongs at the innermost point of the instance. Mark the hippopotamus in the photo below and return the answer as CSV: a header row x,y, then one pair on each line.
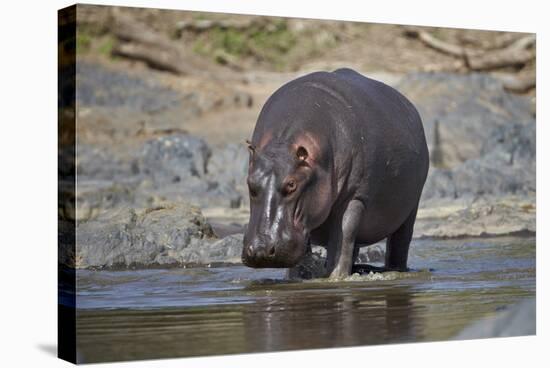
x,y
338,160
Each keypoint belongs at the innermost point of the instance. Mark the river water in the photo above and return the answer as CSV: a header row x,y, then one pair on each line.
x,y
161,313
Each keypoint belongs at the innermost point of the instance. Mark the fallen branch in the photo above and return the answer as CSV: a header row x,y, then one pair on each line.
x,y
435,43
441,46
159,59
520,83
502,41
207,24
141,43
516,54
126,29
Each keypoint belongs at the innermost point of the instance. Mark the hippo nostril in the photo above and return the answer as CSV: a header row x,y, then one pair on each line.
x,y
271,251
250,251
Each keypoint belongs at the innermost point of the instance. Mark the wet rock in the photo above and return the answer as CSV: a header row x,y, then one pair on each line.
x,y
227,249
459,112
518,320
165,235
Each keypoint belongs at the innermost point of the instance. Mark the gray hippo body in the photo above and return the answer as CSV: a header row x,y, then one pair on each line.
x,y
339,160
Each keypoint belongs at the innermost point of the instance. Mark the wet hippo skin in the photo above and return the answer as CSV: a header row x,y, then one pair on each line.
x,y
336,159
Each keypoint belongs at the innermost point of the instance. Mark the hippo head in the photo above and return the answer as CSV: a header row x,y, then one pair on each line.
x,y
287,200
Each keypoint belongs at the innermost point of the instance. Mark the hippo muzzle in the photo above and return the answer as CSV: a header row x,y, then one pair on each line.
x,y
262,252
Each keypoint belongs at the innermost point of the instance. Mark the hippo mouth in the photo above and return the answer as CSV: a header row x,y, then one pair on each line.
x,y
266,262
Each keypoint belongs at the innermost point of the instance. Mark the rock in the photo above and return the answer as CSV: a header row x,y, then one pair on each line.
x,y
518,320
493,194
488,215
467,108
176,166
229,163
507,166
174,158
100,86
372,254
193,190
96,163
227,250
95,197
171,168
228,166
165,235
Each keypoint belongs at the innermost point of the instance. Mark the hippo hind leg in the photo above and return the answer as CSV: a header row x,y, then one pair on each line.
x,y
397,244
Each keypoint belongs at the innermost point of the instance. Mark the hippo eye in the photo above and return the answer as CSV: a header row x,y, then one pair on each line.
x,y
253,191
290,186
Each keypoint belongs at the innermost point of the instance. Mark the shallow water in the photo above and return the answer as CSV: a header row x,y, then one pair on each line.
x,y
147,314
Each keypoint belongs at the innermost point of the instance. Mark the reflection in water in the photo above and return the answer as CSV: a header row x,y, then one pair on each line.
x,y
331,318
152,314
280,320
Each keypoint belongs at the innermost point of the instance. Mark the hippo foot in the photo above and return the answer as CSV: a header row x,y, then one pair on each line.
x,y
311,267
364,269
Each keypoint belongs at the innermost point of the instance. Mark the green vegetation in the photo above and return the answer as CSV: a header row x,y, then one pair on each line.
x,y
106,46
267,42
91,42
83,41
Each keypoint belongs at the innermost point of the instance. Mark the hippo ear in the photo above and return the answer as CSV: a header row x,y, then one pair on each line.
x,y
251,147
301,153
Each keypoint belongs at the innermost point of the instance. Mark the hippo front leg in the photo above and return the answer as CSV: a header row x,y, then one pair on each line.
x,y
342,240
